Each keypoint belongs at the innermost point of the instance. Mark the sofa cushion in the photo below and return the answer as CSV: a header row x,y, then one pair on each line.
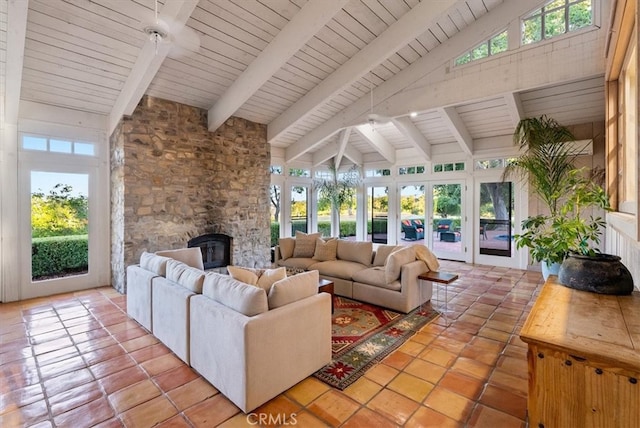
x,y
154,263
297,262
293,288
423,253
396,260
190,256
188,277
355,251
286,247
239,296
338,268
382,252
325,250
376,276
263,278
305,244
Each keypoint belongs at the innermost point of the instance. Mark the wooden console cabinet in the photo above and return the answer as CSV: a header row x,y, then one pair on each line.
x,y
584,359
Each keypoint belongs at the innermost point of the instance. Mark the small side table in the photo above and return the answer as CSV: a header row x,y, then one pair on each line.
x,y
445,278
326,286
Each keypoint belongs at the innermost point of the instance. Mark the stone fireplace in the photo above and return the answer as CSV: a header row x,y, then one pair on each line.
x,y
172,179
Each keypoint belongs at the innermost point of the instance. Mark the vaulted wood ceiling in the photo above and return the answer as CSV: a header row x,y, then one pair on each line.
x,y
306,68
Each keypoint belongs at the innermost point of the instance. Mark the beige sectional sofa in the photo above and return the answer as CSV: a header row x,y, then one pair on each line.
x,y
386,277
251,343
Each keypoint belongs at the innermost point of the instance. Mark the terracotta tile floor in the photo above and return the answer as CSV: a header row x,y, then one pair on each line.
x,y
77,360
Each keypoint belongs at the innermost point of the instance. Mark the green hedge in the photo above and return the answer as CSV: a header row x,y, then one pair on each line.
x,y
347,228
58,255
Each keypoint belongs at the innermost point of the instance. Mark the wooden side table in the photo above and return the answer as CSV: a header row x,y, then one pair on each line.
x,y
326,286
445,278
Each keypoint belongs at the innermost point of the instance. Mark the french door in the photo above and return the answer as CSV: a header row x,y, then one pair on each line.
x,y
447,233
64,225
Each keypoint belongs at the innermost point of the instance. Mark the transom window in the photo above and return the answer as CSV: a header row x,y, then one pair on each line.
x,y
447,167
57,145
493,163
408,170
298,172
493,46
377,172
555,18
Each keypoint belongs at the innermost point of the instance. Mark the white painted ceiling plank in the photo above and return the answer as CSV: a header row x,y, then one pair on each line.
x,y
483,27
148,63
16,33
413,134
378,142
457,127
305,24
389,42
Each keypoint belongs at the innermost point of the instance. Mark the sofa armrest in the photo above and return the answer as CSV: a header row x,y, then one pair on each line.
x,y
409,277
276,254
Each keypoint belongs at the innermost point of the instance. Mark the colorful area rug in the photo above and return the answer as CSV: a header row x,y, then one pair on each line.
x,y
363,334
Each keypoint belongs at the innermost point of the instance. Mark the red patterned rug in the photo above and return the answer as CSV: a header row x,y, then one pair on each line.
x,y
363,334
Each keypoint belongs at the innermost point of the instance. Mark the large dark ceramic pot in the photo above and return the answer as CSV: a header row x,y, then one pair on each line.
x,y
602,273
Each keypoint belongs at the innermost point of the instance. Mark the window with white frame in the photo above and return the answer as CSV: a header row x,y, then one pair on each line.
x,y
58,145
448,167
555,18
411,170
493,46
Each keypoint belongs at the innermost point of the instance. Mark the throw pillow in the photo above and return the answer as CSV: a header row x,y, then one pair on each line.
x,y
248,276
423,253
263,278
286,247
325,250
293,288
382,253
190,256
305,244
396,260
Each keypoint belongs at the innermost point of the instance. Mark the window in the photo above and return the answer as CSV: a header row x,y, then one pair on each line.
x,y
411,170
556,18
492,163
627,134
275,169
377,172
448,167
297,172
54,145
493,46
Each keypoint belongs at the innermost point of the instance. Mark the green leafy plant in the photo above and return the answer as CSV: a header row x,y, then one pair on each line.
x,y
340,189
569,193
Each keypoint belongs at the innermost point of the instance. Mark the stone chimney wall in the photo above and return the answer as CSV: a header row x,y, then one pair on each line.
x,y
172,180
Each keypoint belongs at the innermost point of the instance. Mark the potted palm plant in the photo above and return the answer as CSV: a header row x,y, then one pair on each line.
x,y
567,235
545,163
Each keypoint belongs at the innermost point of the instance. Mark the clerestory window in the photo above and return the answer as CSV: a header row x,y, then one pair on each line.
x,y
555,18
493,46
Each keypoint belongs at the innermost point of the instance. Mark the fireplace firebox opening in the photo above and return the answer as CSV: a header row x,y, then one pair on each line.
x,y
215,247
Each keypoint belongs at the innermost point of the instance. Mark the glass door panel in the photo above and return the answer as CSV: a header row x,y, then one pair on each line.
x,y
299,209
495,219
412,218
59,225
378,203
446,232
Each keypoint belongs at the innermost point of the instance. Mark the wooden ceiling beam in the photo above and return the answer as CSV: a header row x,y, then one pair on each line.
x,y
343,140
483,28
314,15
457,127
378,142
148,62
413,135
514,105
398,35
